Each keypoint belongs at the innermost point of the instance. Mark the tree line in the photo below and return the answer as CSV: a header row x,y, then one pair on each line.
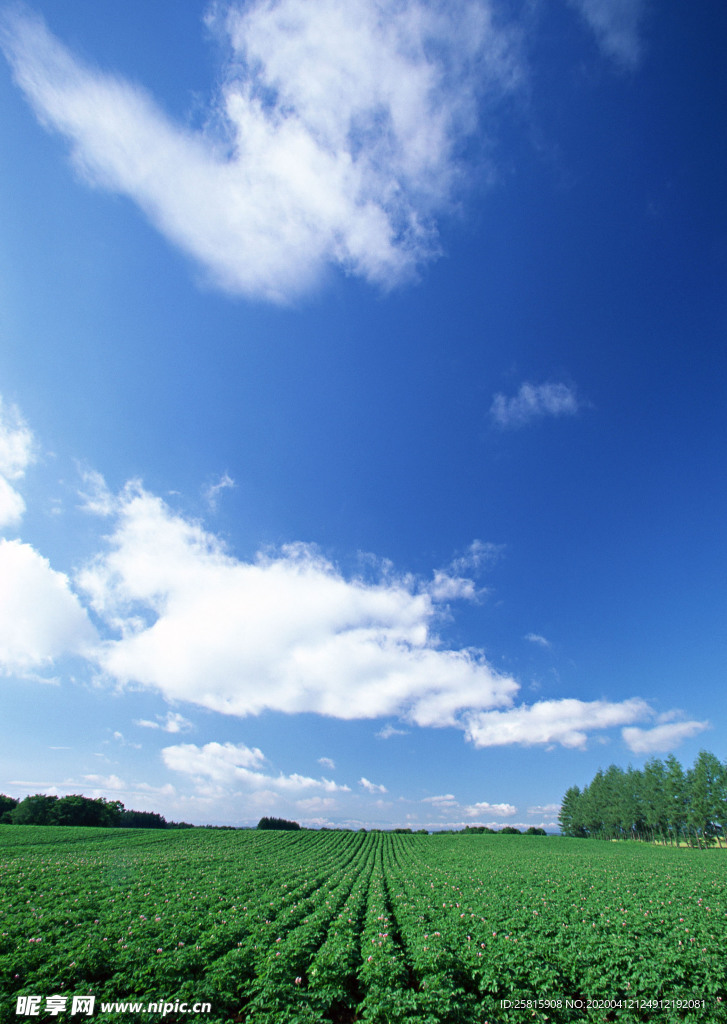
x,y
79,810
662,802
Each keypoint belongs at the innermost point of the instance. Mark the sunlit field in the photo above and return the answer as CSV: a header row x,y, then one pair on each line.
x,y
280,927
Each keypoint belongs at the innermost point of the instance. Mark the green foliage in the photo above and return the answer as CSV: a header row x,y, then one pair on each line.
x,y
306,927
661,803
278,825
7,806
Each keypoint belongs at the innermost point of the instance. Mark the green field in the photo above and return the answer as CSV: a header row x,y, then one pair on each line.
x,y
278,927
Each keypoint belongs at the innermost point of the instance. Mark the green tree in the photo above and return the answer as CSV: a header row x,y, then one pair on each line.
x,y
278,824
656,803
675,785
34,810
706,788
82,810
570,816
7,806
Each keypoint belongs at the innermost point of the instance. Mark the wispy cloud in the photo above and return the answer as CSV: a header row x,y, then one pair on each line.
x,y
533,402
616,24
388,731
662,737
327,762
371,787
536,638
17,451
172,722
479,555
548,810
213,491
334,140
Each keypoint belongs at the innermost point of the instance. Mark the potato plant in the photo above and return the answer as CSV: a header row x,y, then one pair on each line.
x,y
307,927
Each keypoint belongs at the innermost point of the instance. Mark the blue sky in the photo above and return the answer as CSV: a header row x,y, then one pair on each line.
x,y
363,385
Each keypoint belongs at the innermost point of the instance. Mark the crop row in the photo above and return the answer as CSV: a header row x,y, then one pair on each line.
x,y
308,927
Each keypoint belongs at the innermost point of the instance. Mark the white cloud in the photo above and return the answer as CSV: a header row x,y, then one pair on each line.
x,y
495,810
371,787
106,782
567,722
326,762
548,810
661,737
17,447
172,722
286,632
536,638
533,402
212,493
316,804
447,800
616,25
334,140
478,556
227,764
451,588
96,498
40,616
389,730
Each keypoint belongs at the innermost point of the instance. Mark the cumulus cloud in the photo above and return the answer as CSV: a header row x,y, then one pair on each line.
x,y
661,737
40,617
533,402
371,787
229,764
566,722
17,447
334,140
327,762
616,24
494,810
286,632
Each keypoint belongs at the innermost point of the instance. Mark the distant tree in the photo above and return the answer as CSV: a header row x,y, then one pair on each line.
x,y
661,801
675,785
141,819
7,806
706,783
278,824
533,831
656,803
405,831
510,830
570,817
34,810
82,810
